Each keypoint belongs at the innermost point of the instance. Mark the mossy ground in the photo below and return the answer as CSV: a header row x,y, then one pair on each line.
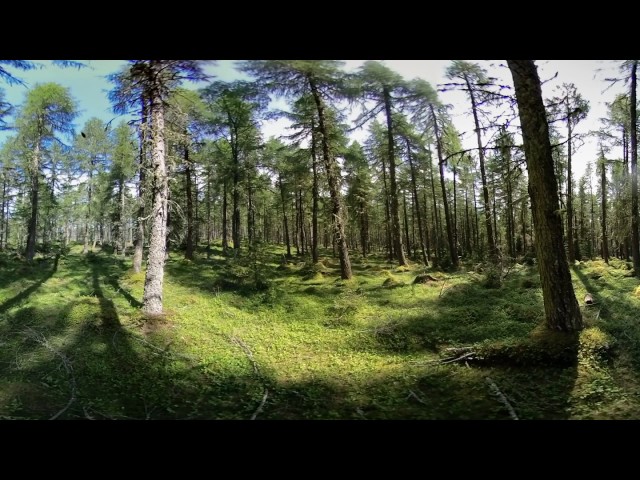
x,y
266,340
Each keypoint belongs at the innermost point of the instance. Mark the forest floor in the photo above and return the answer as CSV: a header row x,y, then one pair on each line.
x,y
246,339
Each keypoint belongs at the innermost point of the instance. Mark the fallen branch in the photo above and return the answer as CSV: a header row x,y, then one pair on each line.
x,y
458,350
238,341
458,359
412,394
502,398
41,339
259,409
464,357
163,351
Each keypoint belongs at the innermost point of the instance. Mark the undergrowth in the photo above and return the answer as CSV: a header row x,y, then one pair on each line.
x,y
256,337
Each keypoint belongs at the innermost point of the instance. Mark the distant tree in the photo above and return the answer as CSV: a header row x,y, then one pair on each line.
x,y
122,171
381,85
562,311
321,79
186,117
570,107
359,187
431,114
128,94
476,83
48,109
92,147
235,108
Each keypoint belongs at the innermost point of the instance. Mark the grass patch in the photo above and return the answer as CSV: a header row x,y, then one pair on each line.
x,y
299,342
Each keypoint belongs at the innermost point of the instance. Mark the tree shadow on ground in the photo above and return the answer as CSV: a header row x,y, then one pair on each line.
x,y
23,295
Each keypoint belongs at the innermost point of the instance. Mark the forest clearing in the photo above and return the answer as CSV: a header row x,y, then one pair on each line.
x,y
304,344
172,263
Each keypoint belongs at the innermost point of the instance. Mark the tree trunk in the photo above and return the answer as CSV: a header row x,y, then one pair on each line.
x,y
153,290
285,223
333,177
406,224
188,254
603,181
387,210
416,202
33,220
225,220
485,189
314,193
571,247
562,311
208,207
452,247
396,233
635,247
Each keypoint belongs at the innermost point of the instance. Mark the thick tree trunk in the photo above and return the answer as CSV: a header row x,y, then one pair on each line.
x,y
406,224
635,239
396,233
251,214
33,220
571,246
2,208
437,224
153,285
562,311
188,254
333,177
285,222
87,219
314,193
235,215
208,207
122,237
364,228
455,212
301,232
225,220
603,219
387,211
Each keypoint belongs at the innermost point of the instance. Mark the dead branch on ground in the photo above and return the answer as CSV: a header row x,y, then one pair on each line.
x,y
494,388
66,363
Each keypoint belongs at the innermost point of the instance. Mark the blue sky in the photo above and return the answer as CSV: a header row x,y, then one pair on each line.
x,y
89,87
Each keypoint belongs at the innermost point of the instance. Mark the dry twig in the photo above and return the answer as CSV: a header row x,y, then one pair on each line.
x,y
502,398
412,394
41,339
238,341
259,409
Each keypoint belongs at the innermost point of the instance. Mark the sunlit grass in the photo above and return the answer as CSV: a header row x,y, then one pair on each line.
x,y
301,343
